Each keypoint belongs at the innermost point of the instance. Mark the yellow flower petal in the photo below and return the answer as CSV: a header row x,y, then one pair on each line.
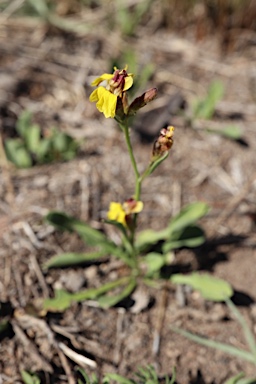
x,y
138,208
128,82
94,96
132,206
106,102
116,213
105,76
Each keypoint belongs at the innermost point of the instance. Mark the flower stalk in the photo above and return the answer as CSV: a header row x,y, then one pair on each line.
x,y
112,100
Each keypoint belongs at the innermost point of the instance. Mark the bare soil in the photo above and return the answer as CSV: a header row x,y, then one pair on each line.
x,y
49,73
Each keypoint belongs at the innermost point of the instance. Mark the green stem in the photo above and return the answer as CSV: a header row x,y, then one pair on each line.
x,y
129,146
125,129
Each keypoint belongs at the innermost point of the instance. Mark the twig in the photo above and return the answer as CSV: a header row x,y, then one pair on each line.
x,y
76,357
66,367
160,320
40,277
39,360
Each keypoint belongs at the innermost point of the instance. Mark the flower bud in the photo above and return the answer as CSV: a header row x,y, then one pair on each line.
x,y
142,100
163,143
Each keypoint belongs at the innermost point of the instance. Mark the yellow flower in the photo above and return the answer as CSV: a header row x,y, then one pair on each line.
x,y
117,213
105,101
121,212
132,206
113,86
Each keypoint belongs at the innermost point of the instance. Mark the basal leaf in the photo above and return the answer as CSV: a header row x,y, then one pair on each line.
x,y
32,138
23,123
107,301
191,237
234,351
17,153
149,237
70,259
188,215
154,262
68,223
64,299
43,153
211,288
60,302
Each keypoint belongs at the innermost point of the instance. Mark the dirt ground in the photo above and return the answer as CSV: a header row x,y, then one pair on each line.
x,y
49,73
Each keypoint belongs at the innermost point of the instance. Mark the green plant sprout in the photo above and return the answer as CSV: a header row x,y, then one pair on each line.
x,y
129,19
145,375
30,148
204,109
249,356
146,252
29,378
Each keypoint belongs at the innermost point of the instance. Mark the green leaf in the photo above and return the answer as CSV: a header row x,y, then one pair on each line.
x,y
60,302
235,379
152,166
40,6
216,91
174,234
23,123
4,325
64,299
147,238
70,259
211,288
89,235
232,132
204,109
29,379
84,375
32,138
17,153
191,237
247,381
240,379
249,336
109,301
147,375
44,152
61,141
188,215
154,262
68,223
119,379
240,353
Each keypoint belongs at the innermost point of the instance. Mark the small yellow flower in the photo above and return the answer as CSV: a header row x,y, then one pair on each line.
x,y
121,212
132,206
117,213
113,86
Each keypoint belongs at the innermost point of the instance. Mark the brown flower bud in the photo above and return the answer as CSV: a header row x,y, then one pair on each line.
x,y
142,100
164,142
